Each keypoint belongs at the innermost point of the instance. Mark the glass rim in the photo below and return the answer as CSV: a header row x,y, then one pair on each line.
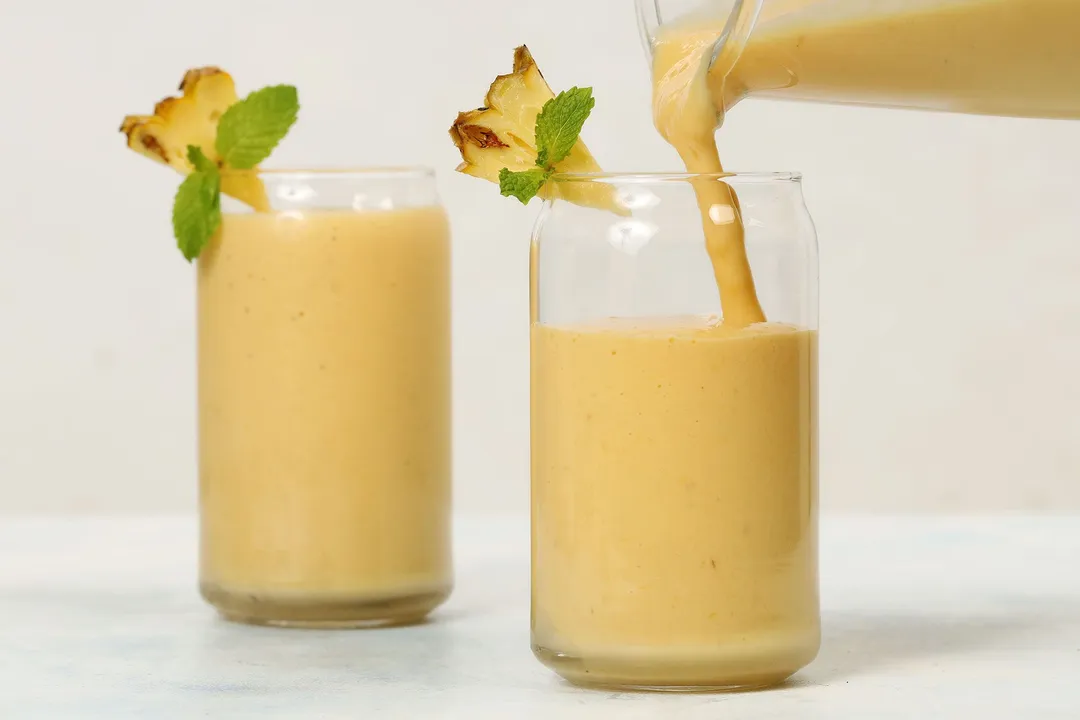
x,y
377,172
647,178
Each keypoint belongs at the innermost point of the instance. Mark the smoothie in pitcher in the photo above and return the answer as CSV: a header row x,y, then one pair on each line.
x,y
994,57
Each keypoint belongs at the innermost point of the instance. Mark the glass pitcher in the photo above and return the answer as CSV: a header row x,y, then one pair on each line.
x,y
1015,58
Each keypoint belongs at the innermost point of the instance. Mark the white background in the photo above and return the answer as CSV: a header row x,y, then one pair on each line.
x,y
950,248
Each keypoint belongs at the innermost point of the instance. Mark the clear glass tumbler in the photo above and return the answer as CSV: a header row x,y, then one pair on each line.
x,y
989,57
324,402
674,456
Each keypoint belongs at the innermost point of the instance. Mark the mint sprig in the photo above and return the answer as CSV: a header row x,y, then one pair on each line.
x,y
558,127
523,185
197,207
246,135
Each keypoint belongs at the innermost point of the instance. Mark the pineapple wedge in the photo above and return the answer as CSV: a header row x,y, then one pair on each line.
x,y
502,134
192,120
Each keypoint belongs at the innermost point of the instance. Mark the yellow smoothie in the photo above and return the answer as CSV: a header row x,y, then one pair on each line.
x,y
324,416
674,502
996,57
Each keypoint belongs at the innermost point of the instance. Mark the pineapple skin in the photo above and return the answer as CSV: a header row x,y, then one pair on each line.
x,y
502,133
191,119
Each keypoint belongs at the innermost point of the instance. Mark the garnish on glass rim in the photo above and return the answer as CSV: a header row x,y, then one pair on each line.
x,y
206,131
525,133
557,129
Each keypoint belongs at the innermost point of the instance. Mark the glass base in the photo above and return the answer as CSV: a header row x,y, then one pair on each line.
x,y
320,612
690,676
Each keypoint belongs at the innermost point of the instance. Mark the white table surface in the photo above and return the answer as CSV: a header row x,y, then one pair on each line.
x,y
942,618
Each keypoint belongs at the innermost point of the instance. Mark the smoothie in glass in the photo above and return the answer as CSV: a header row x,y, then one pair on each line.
x,y
324,416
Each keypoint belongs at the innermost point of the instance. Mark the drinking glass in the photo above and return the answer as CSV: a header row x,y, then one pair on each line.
x,y
674,456
324,401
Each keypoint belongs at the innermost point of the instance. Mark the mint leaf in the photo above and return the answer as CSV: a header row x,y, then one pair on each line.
x,y
199,161
559,124
522,185
251,128
197,207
